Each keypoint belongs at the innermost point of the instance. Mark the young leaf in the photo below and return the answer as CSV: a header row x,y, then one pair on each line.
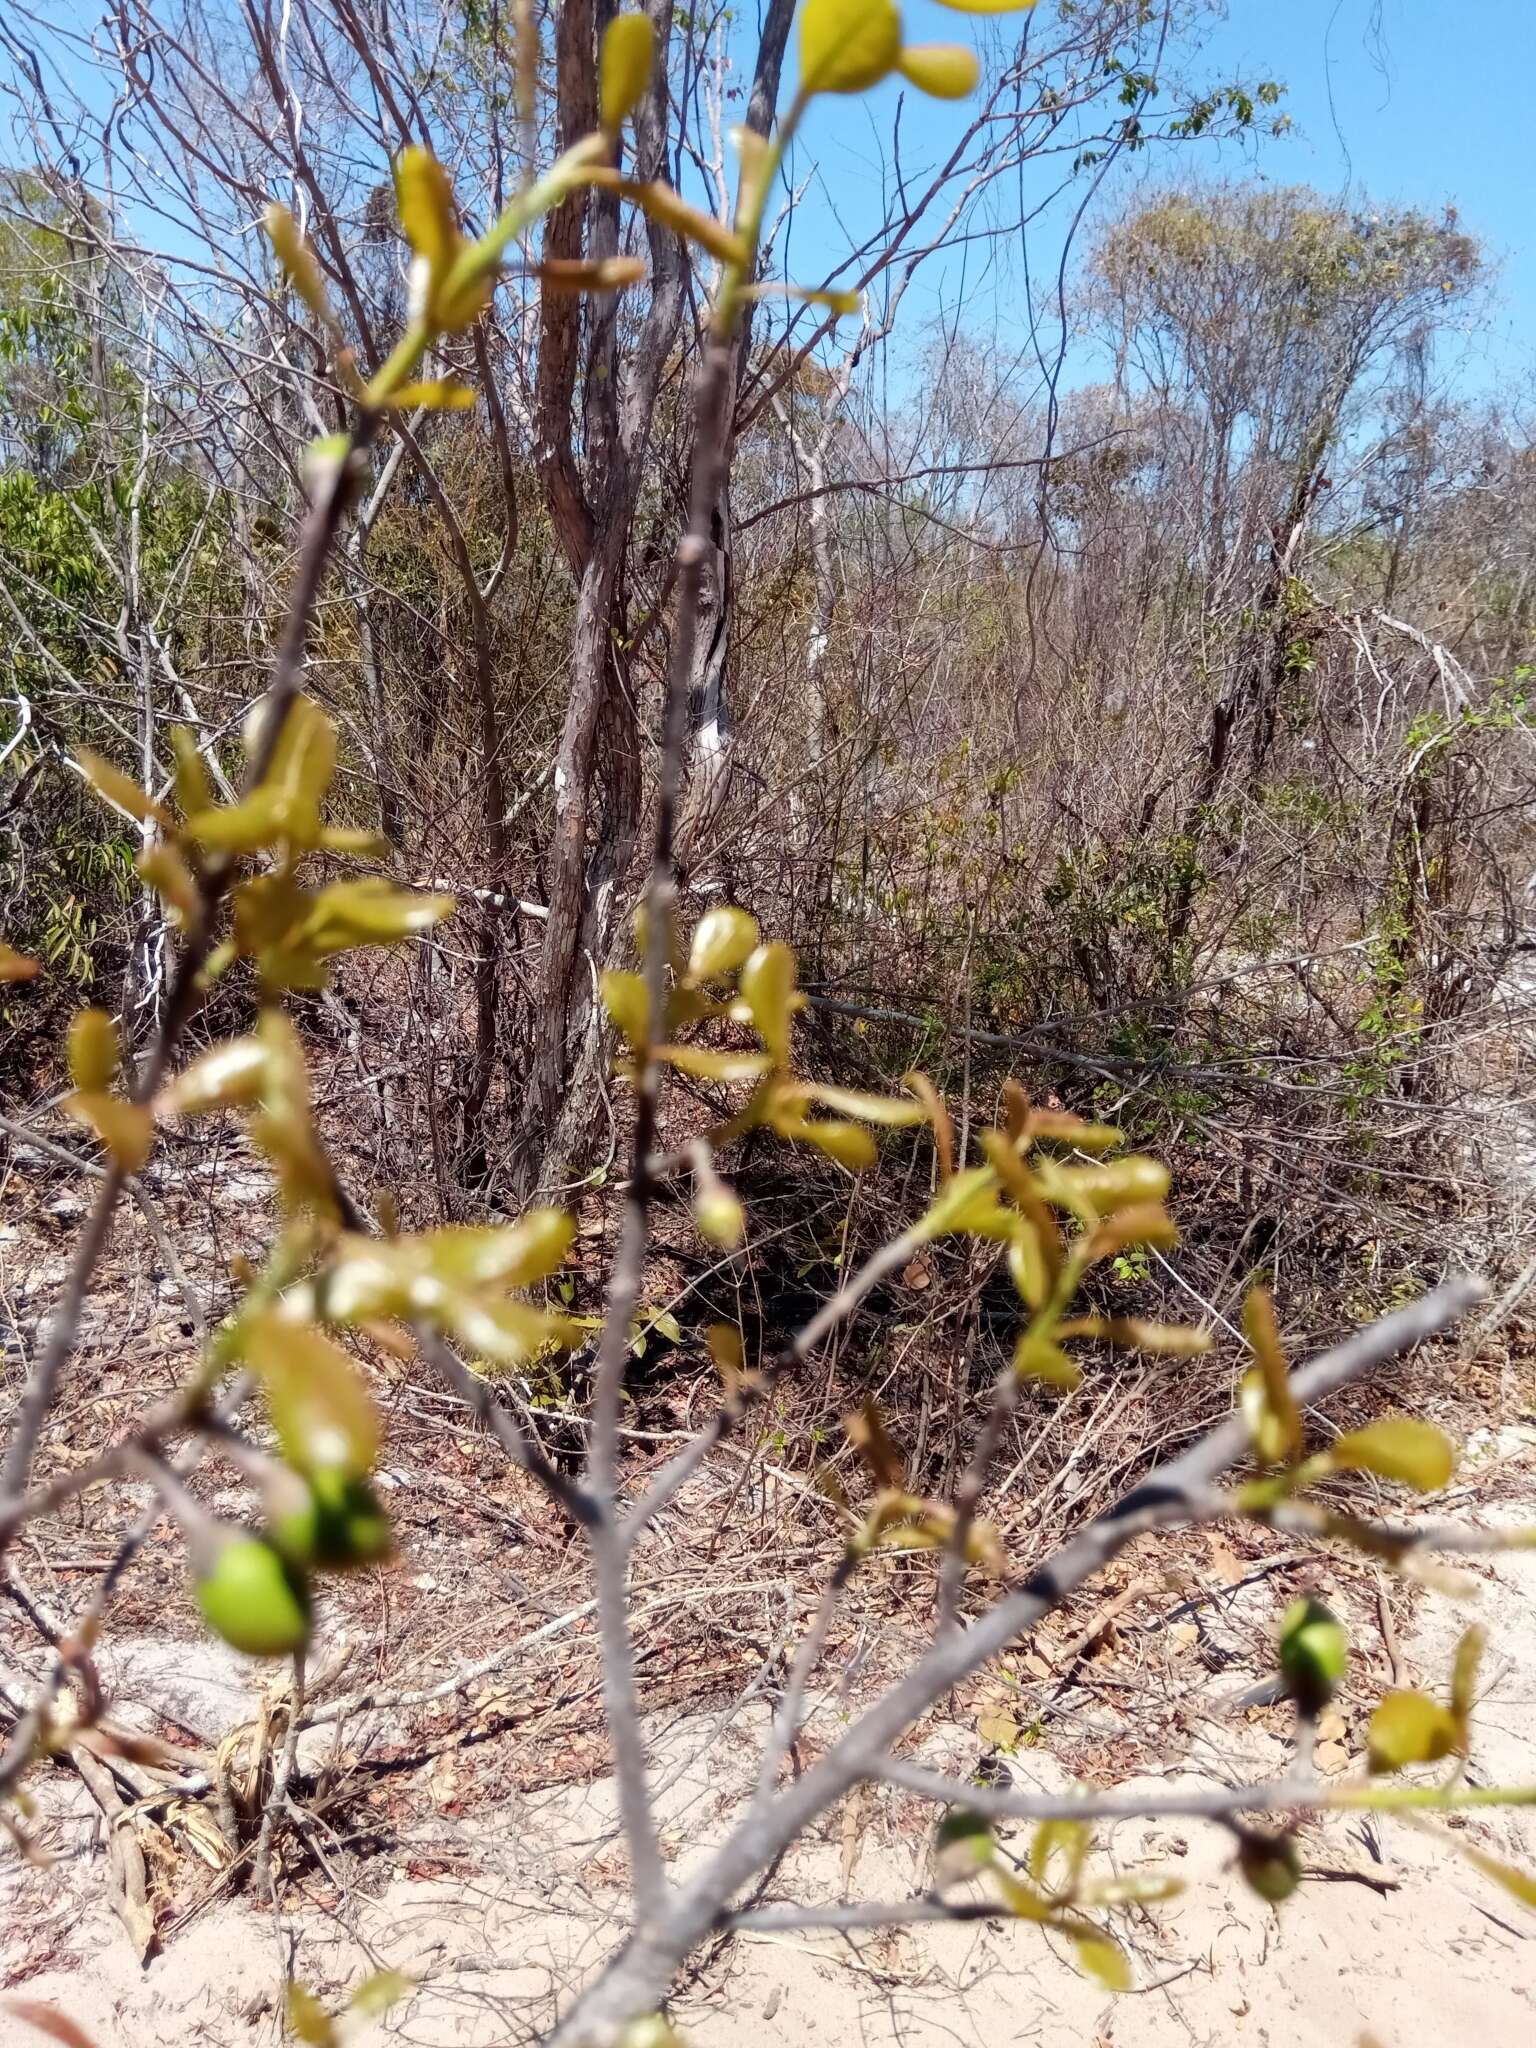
x,y
515,1255
93,1050
723,939
376,1994
1019,1898
16,966
322,1409
1067,1838
871,1109
119,789
867,1433
705,1065
1274,1421
607,274
847,45
308,2018
1398,1447
1142,1223
627,1003
425,200
1410,1728
662,204
299,265
1469,1655
724,1345
720,1216
846,1143
1518,1883
225,1076
946,71
440,395
194,789
1132,1333
1109,1188
768,987
1102,1959
1027,1265
624,72
967,1206
938,1115
1037,1358
126,1129
47,2019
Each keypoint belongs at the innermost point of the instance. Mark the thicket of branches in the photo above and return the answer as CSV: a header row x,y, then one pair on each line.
x,y
506,522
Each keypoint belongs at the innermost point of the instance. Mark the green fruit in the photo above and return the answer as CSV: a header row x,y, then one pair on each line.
x,y
341,1524
254,1599
1314,1651
1271,1868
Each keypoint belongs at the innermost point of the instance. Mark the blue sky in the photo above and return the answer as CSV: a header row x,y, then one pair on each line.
x,y
1407,102
1413,102
1417,103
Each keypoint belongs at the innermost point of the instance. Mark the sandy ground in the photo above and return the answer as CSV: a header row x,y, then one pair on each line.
x,y
521,1902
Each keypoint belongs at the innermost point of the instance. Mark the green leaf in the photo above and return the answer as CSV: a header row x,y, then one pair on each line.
x,y
1314,1653
1410,1728
1398,1447
847,45
1269,1867
945,71
962,1845
255,1600
624,72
